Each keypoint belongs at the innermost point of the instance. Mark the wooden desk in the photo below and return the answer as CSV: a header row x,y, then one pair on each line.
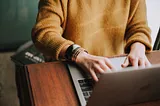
x,y
49,84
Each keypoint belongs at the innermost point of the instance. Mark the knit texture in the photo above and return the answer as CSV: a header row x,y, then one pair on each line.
x,y
102,27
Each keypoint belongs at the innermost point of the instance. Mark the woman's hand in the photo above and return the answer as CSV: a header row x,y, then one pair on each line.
x,y
94,64
137,56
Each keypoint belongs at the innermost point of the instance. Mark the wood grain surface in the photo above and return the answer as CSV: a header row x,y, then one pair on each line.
x,y
51,85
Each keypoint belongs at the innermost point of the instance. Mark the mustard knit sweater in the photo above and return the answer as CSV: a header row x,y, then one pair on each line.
x,y
102,27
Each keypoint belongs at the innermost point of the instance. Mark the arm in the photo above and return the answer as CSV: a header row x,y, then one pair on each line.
x,y
47,37
137,37
90,63
49,27
137,56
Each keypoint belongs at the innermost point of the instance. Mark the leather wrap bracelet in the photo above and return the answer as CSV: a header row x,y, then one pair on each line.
x,y
70,50
73,51
77,52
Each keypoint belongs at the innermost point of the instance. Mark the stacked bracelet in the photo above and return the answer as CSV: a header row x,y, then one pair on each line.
x,y
73,51
77,52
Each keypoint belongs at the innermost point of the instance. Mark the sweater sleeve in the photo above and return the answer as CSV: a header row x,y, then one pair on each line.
x,y
49,27
137,28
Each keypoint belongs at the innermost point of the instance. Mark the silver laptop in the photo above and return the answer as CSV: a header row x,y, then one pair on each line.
x,y
126,86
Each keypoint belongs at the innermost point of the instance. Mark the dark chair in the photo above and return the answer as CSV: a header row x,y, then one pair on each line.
x,y
157,42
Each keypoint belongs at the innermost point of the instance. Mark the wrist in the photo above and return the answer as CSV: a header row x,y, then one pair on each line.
x,y
138,46
73,51
82,56
63,52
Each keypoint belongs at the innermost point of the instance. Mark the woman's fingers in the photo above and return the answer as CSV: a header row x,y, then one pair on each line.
x,y
95,64
134,62
101,68
141,62
147,63
94,76
126,63
137,61
109,65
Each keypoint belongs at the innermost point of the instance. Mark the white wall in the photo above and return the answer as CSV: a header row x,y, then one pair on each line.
x,y
153,15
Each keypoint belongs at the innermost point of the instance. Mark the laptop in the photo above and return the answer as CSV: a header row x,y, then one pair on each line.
x,y
123,87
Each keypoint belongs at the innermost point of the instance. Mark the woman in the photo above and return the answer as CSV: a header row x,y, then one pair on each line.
x,y
87,31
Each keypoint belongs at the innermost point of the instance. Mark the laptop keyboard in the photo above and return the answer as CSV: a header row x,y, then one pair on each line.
x,y
86,87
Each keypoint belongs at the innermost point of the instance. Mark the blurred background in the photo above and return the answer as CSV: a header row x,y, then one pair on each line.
x,y
17,17
153,15
16,21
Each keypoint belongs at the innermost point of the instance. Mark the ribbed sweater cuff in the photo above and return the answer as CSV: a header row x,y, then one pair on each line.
x,y
130,42
58,50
